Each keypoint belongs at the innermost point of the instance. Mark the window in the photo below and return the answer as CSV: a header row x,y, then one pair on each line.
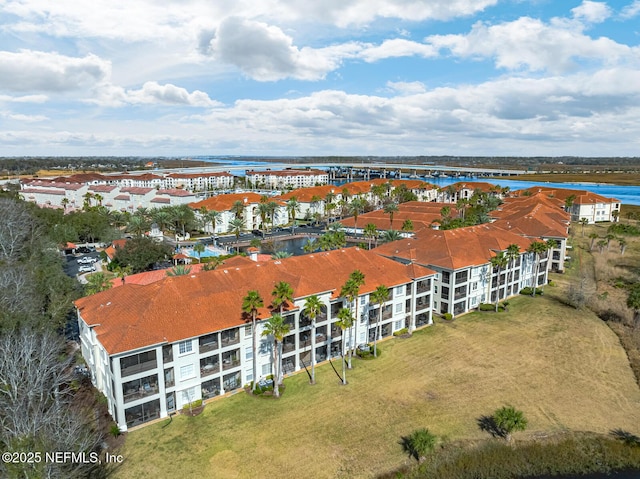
x,y
186,371
266,369
185,346
248,330
249,376
399,308
249,354
399,290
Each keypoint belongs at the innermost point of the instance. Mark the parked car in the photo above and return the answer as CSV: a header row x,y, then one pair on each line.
x,y
86,268
87,260
258,233
83,250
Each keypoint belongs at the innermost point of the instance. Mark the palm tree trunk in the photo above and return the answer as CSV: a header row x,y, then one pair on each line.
x,y
356,321
276,374
344,364
255,351
313,351
375,335
350,345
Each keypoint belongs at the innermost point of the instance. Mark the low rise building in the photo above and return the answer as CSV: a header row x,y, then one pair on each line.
x,y
152,349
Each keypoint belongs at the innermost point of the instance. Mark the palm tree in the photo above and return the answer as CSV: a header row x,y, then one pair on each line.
x,y
263,211
198,249
275,326
390,209
583,222
357,277
537,248
350,291
293,207
281,255
379,191
312,306
592,237
138,225
250,304
499,262
379,296
161,218
179,270
345,321
512,254
238,208
282,294
357,205
623,245
236,225
391,235
508,419
407,225
212,217
370,232
64,203
315,203
97,282
633,302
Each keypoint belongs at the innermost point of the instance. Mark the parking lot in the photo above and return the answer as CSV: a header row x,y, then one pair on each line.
x,y
75,262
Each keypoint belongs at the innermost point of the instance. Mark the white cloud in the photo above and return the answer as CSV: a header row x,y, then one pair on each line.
x,y
591,12
24,98
631,10
406,88
265,53
530,44
398,47
29,71
152,92
23,118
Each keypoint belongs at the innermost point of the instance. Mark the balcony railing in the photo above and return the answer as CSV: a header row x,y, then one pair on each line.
x,y
288,346
230,363
423,288
208,346
138,393
138,368
209,369
229,340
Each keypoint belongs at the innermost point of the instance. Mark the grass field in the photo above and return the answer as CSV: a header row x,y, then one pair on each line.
x,y
563,367
628,179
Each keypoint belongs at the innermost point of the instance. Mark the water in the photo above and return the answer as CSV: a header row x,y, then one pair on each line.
x,y
629,195
207,253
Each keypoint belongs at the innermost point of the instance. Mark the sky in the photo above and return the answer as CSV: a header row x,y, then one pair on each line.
x,y
189,78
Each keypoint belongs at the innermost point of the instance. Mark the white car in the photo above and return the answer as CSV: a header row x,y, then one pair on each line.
x,y
87,260
86,268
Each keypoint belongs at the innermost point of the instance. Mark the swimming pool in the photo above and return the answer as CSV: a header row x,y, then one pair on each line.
x,y
207,253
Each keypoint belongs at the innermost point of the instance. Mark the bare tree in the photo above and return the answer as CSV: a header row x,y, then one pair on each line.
x,y
36,413
15,229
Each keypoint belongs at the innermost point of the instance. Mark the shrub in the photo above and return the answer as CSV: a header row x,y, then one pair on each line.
x,y
508,420
400,332
526,291
114,430
447,316
419,443
486,307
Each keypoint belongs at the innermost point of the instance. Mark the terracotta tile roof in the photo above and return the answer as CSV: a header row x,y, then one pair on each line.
x,y
102,188
161,200
137,190
454,249
82,178
582,197
225,202
476,185
43,191
534,219
122,197
420,213
110,251
176,192
177,308
148,277
304,195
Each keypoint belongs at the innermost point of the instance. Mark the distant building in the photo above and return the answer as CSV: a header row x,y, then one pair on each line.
x,y
286,179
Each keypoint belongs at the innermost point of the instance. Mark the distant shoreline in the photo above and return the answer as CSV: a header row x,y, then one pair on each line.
x,y
623,179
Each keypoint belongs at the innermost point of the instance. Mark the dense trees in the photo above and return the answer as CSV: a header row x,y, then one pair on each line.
x,y
141,253
39,408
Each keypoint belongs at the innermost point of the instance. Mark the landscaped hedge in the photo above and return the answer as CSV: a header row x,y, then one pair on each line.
x,y
528,291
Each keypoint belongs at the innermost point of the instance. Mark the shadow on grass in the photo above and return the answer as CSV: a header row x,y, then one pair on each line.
x,y
408,447
628,438
488,424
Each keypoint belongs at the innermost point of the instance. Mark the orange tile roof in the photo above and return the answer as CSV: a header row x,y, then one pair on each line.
x,y
456,248
225,202
148,277
198,175
177,308
137,190
583,197
288,172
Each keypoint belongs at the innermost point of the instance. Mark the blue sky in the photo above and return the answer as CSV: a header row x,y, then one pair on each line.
x,y
337,77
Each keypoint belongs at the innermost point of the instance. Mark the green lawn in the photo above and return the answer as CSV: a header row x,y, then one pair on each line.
x,y
564,368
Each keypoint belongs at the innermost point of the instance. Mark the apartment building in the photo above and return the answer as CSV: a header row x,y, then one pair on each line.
x,y
581,204
152,349
287,179
462,259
